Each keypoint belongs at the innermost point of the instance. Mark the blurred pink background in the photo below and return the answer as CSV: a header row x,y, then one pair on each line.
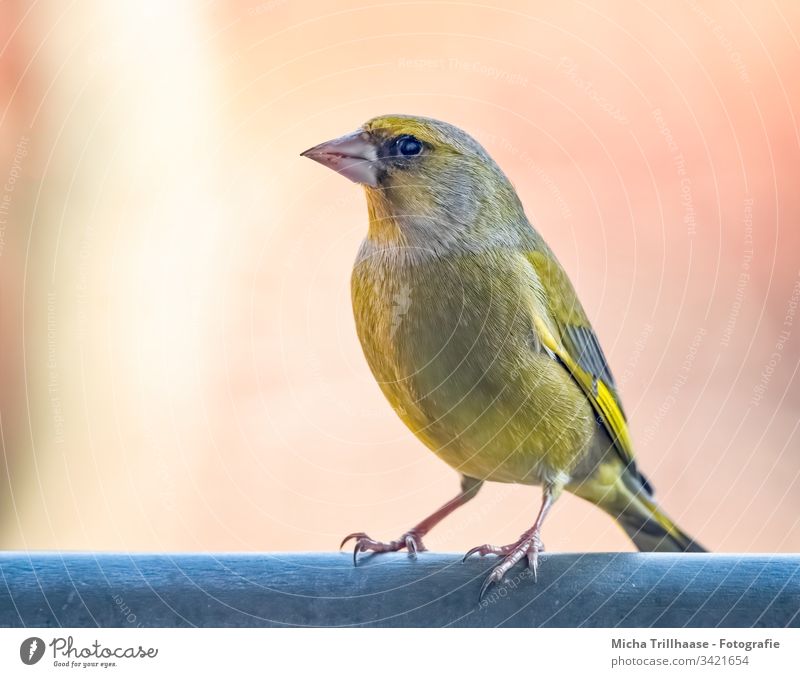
x,y
179,367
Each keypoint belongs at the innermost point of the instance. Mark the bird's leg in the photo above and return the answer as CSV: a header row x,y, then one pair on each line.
x,y
529,545
411,540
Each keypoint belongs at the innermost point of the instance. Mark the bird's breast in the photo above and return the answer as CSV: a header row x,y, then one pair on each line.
x,y
452,346
435,328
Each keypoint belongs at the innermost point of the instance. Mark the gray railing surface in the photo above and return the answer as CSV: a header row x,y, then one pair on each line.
x,y
222,590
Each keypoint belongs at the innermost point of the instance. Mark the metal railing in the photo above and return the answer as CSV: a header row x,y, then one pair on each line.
x,y
291,589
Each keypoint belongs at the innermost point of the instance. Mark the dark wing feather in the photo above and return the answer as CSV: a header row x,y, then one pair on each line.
x,y
583,345
576,345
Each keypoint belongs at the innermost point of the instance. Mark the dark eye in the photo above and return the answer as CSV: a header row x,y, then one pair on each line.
x,y
408,145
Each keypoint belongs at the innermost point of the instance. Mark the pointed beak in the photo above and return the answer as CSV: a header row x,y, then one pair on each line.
x,y
353,156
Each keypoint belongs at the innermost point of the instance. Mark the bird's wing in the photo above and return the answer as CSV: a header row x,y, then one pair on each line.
x,y
575,344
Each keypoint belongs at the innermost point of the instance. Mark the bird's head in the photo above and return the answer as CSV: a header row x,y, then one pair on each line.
x,y
425,179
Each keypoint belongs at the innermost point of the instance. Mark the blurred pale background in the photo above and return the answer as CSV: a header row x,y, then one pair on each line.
x,y
178,363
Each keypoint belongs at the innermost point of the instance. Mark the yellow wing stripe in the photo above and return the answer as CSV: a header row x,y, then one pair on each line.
x,y
596,391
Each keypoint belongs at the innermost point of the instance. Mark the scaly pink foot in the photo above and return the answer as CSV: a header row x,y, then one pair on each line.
x,y
409,540
529,546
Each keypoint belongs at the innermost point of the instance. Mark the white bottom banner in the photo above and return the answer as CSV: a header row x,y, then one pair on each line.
x,y
41,651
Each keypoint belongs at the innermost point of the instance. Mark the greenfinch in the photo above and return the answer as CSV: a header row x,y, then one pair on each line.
x,y
477,338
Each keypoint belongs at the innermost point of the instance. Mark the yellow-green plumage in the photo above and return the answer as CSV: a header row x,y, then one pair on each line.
x,y
476,336
460,366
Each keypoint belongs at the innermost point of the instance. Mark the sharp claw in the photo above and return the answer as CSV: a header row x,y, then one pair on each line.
x,y
470,553
355,534
355,553
411,546
533,563
486,585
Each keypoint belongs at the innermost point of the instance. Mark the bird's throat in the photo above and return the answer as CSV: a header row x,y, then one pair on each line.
x,y
386,226
415,223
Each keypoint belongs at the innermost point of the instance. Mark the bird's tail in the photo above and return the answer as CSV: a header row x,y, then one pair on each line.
x,y
629,500
651,530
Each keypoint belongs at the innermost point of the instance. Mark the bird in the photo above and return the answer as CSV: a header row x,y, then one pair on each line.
x,y
477,339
